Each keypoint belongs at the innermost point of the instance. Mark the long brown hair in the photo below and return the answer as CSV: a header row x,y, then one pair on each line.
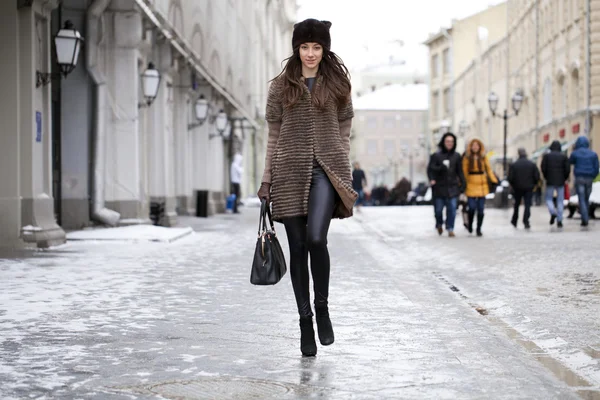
x,y
336,80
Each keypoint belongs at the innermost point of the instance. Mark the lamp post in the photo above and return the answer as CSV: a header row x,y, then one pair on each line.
x,y
67,42
150,85
517,102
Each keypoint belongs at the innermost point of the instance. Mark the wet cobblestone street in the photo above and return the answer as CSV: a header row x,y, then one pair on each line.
x,y
512,315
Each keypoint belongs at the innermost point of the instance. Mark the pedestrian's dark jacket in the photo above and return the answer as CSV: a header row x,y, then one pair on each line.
x,y
584,159
555,166
358,177
449,181
523,175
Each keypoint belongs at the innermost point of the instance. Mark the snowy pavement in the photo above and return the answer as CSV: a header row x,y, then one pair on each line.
x,y
513,315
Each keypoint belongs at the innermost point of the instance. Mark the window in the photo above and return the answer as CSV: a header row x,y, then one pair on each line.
x,y
372,147
389,122
547,100
447,62
436,105
447,102
407,123
372,123
435,66
389,147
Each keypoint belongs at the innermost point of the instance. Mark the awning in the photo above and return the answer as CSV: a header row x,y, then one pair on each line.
x,y
180,44
539,152
565,146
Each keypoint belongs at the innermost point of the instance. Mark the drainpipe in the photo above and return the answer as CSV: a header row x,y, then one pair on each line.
x,y
95,36
588,73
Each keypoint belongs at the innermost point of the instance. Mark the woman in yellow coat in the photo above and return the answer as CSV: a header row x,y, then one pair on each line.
x,y
477,170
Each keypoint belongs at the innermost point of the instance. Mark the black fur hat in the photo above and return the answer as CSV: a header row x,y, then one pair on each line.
x,y
312,30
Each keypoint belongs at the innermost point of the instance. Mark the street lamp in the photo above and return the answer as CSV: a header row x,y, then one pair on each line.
x,y
221,122
150,84
201,107
67,43
517,102
445,127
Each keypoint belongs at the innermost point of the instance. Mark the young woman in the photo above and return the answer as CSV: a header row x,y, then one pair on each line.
x,y
477,170
307,173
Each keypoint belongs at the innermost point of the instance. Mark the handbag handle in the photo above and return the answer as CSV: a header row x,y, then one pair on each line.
x,y
265,211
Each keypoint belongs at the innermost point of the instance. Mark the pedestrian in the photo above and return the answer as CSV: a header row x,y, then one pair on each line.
x,y
307,174
523,175
447,180
359,181
585,169
237,170
556,171
478,171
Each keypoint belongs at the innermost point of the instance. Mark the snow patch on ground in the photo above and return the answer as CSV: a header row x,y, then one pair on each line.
x,y
132,233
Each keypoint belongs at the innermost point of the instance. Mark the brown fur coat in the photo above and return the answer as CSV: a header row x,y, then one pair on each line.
x,y
297,136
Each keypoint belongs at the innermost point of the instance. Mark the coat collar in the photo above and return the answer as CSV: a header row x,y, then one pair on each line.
x,y
316,85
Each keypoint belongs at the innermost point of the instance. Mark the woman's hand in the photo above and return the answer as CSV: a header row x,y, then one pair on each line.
x,y
264,193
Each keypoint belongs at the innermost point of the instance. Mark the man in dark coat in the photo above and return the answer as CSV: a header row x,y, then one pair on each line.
x,y
447,180
585,169
556,170
523,175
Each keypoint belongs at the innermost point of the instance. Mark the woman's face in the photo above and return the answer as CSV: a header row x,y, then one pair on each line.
x,y
311,55
475,147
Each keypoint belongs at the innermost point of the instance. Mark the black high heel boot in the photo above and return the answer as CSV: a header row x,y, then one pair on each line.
x,y
324,326
470,222
308,345
479,224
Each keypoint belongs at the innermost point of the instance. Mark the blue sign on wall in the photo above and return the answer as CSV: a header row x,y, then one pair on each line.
x,y
38,125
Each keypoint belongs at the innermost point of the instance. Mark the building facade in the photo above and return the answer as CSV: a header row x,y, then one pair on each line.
x,y
389,134
90,149
451,51
547,56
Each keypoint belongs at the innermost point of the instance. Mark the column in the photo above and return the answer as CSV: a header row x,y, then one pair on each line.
x,y
182,155
123,181
37,205
199,166
161,143
10,204
76,117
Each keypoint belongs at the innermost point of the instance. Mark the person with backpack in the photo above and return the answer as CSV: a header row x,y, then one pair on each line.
x,y
585,169
556,171
523,175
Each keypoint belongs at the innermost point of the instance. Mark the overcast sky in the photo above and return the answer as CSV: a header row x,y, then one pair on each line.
x,y
364,32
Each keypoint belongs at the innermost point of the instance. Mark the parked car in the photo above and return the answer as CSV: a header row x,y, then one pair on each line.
x,y
573,204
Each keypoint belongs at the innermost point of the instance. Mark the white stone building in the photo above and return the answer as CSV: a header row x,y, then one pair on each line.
x,y
389,134
88,148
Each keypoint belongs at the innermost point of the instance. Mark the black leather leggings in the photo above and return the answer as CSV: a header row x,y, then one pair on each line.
x,y
309,235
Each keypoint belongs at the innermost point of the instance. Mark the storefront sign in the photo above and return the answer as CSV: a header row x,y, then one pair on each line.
x,y
38,126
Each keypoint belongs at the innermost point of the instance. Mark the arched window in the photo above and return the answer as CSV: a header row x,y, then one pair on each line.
x,y
547,101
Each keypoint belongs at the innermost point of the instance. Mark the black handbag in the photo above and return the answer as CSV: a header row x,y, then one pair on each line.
x,y
491,185
269,265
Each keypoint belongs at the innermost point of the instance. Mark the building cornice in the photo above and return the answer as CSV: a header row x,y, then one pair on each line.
x,y
435,37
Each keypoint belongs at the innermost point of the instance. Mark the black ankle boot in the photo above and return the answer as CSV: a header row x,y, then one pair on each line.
x,y
470,222
479,224
308,345
324,326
